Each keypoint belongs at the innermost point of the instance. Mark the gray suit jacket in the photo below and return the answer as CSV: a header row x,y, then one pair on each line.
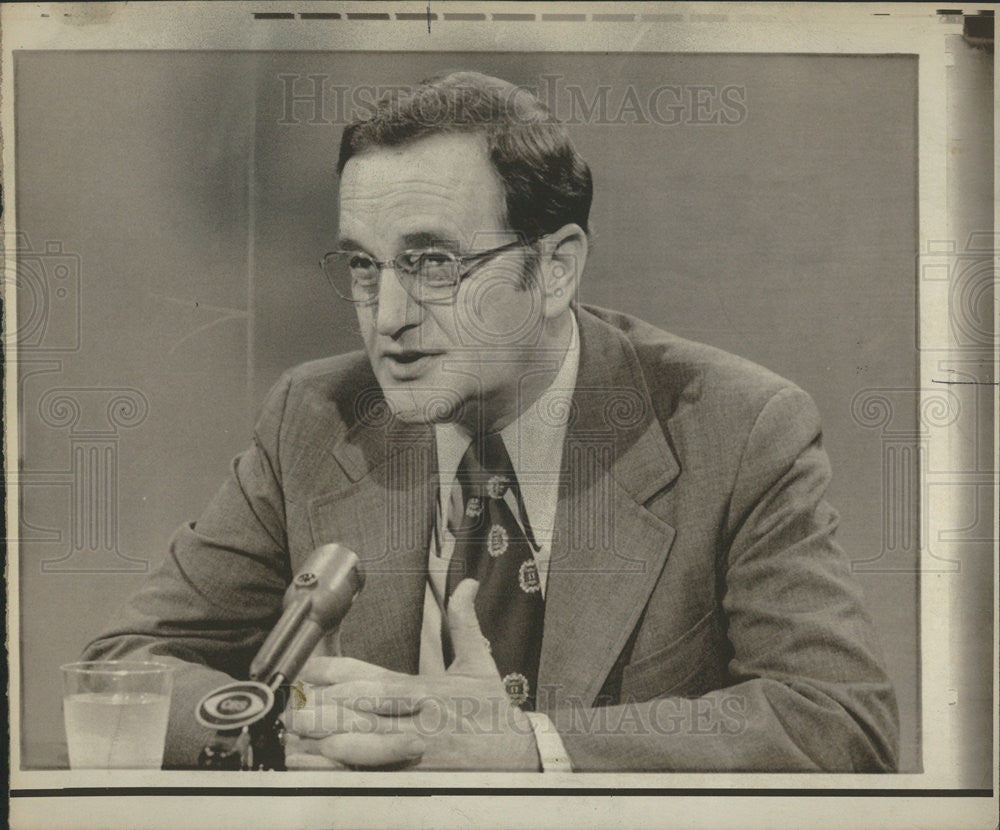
x,y
698,614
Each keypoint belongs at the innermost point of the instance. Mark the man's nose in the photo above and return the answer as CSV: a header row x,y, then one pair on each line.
x,y
396,309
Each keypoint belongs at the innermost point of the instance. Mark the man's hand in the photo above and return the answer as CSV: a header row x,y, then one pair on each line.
x,y
360,715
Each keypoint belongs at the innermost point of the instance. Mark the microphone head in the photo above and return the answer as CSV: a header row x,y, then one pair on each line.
x,y
331,578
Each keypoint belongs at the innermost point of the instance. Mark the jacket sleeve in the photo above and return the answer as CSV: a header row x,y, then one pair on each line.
x,y
208,607
808,689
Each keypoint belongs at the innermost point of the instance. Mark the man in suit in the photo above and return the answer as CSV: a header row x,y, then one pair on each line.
x,y
654,584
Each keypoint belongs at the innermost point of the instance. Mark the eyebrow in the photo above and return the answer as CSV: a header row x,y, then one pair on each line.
x,y
416,239
429,239
348,244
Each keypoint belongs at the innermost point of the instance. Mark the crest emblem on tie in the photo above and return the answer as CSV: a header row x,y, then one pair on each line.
x,y
497,486
516,686
496,542
474,508
527,576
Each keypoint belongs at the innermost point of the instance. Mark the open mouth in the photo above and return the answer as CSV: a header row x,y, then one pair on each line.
x,y
406,365
408,357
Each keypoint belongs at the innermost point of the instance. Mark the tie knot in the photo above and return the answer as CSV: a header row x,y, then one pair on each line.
x,y
486,469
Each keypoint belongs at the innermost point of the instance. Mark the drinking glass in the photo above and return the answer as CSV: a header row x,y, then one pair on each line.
x,y
116,713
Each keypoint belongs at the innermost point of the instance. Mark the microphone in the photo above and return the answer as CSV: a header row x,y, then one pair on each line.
x,y
315,603
245,713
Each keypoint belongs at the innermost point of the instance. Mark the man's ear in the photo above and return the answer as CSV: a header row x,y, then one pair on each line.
x,y
563,255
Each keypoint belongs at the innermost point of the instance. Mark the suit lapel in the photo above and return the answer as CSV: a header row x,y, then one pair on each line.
x,y
385,517
608,550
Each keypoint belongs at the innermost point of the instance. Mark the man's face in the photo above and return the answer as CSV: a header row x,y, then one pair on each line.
x,y
441,192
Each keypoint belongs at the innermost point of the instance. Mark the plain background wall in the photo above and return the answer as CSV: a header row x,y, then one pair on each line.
x,y
194,220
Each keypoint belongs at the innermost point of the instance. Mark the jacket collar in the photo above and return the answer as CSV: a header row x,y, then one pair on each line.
x,y
611,400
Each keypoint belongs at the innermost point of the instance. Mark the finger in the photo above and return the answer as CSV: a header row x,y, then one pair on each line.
x,y
384,698
472,651
295,745
372,750
304,753
326,718
329,670
298,745
301,761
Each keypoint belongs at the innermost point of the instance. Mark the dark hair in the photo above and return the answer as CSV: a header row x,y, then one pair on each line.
x,y
546,182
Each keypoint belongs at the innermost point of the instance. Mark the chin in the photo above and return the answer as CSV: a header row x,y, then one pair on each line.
x,y
423,406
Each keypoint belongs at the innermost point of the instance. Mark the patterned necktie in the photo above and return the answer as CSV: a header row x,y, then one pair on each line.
x,y
491,547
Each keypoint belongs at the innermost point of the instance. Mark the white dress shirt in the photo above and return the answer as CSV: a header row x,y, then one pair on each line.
x,y
534,442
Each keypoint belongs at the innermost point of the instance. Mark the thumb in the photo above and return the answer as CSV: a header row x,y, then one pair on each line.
x,y
472,649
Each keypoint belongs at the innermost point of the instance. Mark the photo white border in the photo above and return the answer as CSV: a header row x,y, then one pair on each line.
x,y
720,28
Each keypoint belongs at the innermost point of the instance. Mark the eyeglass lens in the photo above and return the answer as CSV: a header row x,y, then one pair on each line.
x,y
426,275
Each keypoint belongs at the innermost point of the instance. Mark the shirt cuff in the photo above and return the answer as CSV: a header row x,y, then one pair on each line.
x,y
551,751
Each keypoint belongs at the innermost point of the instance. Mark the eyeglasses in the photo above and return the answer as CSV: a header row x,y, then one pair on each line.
x,y
427,275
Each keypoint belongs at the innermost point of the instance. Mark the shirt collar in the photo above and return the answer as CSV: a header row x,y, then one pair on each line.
x,y
534,440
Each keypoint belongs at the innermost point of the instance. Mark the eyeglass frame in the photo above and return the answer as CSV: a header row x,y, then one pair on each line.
x,y
460,259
